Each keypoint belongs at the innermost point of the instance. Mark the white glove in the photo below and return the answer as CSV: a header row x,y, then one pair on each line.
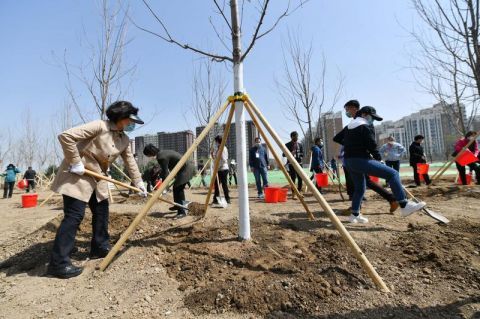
x,y
143,192
77,168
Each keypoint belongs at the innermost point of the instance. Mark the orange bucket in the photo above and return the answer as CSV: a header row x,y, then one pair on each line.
x,y
158,184
466,158
469,179
29,200
374,179
271,194
22,183
322,179
422,168
282,195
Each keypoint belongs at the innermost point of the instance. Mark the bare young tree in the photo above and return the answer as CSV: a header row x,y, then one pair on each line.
x,y
303,91
6,147
448,65
104,76
208,93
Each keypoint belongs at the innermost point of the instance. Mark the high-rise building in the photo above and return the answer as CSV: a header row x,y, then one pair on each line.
x,y
177,141
140,142
331,125
435,123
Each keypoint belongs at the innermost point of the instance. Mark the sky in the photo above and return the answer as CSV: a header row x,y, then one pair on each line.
x,y
367,41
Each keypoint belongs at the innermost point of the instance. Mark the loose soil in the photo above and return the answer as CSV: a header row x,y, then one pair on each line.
x,y
292,267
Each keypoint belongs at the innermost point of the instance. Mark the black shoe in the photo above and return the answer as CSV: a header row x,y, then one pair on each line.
x,y
64,272
215,202
228,201
74,251
173,208
99,253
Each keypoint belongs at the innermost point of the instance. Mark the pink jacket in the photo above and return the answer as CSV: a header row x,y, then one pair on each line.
x,y
461,144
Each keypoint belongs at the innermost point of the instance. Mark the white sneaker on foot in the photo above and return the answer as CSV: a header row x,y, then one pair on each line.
x,y
411,208
357,219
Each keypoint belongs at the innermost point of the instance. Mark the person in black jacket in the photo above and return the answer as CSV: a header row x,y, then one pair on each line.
x,y
30,175
296,148
362,158
168,159
418,156
351,109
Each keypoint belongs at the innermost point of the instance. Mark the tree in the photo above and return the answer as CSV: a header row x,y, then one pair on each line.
x,y
449,61
304,95
105,74
234,25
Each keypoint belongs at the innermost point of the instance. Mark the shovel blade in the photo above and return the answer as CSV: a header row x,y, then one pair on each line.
x,y
436,216
222,202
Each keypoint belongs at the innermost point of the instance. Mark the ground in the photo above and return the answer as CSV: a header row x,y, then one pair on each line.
x,y
292,267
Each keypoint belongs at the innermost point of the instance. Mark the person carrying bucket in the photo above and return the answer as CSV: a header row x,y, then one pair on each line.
x,y
10,178
94,145
362,158
317,158
474,166
417,156
30,175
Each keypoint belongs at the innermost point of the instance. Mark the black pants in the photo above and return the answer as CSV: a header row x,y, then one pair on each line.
x,y
393,164
179,197
294,175
234,176
31,185
461,171
416,176
385,194
316,171
74,210
8,189
222,177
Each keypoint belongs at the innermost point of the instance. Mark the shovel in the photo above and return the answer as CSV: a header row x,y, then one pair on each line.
x,y
194,208
437,216
220,199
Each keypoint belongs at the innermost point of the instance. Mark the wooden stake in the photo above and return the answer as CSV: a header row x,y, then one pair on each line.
x,y
338,224
46,199
146,208
110,194
454,159
438,171
218,157
279,163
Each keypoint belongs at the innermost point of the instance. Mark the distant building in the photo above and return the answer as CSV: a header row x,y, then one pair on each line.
x,y
435,123
331,125
204,148
140,142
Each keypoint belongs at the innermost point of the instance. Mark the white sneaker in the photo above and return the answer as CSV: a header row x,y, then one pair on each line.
x,y
411,208
357,219
261,196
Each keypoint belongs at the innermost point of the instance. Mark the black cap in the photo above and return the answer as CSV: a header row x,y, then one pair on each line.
x,y
371,111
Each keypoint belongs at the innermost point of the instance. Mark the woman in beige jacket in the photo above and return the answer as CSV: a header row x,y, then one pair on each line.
x,y
94,146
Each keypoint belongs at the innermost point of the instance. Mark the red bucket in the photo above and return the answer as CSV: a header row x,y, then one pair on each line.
x,y
29,200
158,184
422,168
469,179
322,179
282,195
466,158
271,194
22,184
374,179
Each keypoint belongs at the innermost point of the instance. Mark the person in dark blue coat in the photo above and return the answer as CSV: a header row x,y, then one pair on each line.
x,y
317,158
258,160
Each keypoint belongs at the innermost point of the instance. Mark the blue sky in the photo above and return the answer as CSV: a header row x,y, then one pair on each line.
x,y
366,40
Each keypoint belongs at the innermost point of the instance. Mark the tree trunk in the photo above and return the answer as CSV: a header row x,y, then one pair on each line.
x,y
241,147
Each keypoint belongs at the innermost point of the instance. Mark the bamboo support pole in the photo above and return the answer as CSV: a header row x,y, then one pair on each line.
x,y
332,178
279,162
122,172
305,189
218,156
199,174
338,224
438,171
46,199
145,209
454,159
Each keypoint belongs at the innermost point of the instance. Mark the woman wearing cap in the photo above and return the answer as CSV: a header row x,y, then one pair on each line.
x,y
94,146
362,158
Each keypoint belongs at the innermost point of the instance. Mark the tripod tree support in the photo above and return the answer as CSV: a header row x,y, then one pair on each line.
x,y
218,157
367,266
444,169
279,163
146,208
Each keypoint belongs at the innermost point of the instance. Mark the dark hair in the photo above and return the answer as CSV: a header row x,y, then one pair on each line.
x,y
218,139
29,167
293,134
470,133
10,166
353,103
419,137
258,138
150,150
316,140
120,110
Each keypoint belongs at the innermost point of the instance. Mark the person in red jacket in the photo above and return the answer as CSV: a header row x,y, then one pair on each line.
x,y
459,145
